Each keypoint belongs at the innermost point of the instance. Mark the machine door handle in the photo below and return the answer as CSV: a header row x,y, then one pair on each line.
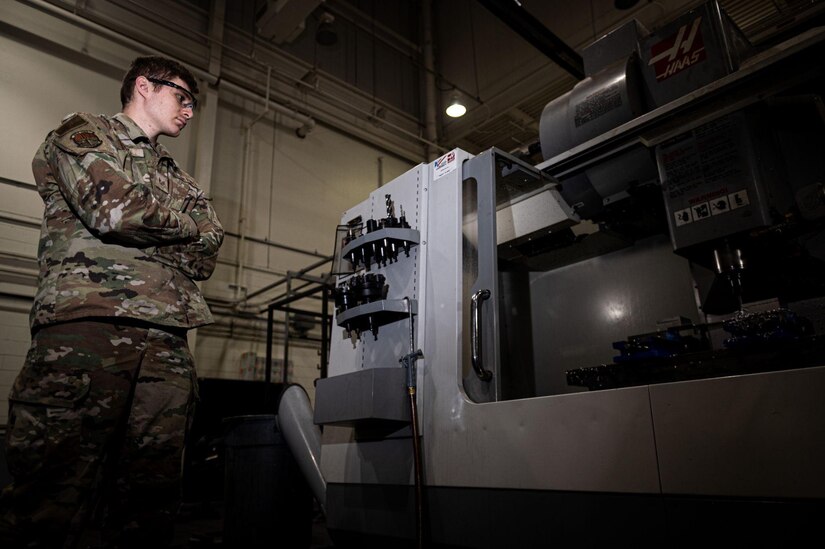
x,y
475,334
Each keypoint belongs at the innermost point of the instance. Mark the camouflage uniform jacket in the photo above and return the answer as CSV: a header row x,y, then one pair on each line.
x,y
126,233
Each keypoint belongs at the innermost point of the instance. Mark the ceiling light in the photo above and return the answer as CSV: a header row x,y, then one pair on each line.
x,y
456,108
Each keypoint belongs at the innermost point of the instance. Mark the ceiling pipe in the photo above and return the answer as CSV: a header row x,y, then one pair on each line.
x,y
531,29
246,168
307,122
430,127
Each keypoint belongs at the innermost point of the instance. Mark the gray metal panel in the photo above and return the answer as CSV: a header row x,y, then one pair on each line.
x,y
388,461
555,133
373,394
619,43
394,339
752,435
704,174
613,177
581,309
543,212
402,277
599,441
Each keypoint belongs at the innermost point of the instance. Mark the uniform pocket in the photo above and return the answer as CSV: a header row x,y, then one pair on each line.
x,y
50,385
44,421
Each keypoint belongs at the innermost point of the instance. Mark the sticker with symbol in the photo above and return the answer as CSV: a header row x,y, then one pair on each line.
x,y
719,205
683,217
738,199
701,211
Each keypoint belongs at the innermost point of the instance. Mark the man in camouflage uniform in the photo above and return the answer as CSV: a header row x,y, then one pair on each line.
x,y
100,410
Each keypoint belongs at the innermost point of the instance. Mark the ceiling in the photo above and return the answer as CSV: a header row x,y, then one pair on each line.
x,y
512,125
373,83
504,81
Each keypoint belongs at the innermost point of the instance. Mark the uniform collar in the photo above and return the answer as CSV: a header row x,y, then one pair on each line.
x,y
132,129
139,136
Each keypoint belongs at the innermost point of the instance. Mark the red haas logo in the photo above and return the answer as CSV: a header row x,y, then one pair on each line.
x,y
678,51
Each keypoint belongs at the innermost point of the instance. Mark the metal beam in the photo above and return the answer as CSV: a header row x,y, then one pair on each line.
x,y
531,29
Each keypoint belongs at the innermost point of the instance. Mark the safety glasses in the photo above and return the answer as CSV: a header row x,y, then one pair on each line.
x,y
192,102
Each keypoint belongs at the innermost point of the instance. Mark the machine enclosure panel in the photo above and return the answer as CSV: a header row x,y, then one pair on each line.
x,y
371,396
620,440
755,435
352,354
542,212
717,181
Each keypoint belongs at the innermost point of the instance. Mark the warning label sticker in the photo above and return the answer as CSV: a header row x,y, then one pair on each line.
x,y
709,204
738,199
597,104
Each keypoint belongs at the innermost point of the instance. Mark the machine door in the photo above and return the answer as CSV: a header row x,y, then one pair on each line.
x,y
480,364
505,204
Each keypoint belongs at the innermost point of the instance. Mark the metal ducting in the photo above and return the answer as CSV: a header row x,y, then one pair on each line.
x,y
281,21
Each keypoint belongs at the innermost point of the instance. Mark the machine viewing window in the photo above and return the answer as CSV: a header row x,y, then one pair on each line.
x,y
660,281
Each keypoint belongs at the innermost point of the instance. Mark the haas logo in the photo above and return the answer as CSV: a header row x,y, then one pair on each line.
x,y
678,51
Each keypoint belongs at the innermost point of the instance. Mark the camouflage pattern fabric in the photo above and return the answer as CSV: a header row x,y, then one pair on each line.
x,y
97,422
99,413
125,231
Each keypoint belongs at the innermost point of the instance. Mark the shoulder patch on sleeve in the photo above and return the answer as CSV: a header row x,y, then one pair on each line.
x,y
86,139
83,133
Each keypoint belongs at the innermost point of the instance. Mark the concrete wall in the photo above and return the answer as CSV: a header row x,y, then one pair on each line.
x,y
297,188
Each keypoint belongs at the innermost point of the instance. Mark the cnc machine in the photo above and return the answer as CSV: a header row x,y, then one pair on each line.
x,y
620,344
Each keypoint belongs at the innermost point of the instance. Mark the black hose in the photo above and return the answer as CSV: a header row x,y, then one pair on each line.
x,y
419,499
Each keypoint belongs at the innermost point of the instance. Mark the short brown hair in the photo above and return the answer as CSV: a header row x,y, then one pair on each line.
x,y
155,67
